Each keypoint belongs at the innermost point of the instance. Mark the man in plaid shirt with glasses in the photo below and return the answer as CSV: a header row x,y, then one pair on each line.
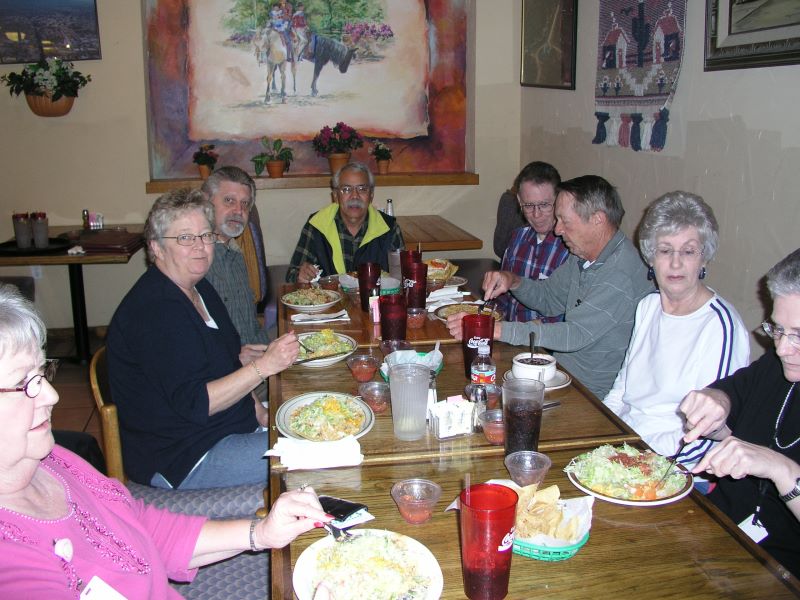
x,y
534,251
346,234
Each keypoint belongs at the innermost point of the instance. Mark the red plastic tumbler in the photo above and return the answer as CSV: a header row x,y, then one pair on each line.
x,y
393,317
414,285
487,535
477,330
369,278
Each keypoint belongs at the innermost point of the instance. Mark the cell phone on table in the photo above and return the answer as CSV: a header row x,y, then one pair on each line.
x,y
339,508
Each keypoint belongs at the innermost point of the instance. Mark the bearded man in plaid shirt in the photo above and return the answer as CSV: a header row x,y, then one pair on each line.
x,y
534,251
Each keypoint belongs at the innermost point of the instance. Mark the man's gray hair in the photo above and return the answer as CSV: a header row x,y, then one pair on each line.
x,y
784,278
232,174
592,193
170,206
21,327
673,212
353,166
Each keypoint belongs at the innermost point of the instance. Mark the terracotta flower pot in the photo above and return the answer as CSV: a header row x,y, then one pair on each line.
x,y
205,171
275,168
45,107
383,166
338,160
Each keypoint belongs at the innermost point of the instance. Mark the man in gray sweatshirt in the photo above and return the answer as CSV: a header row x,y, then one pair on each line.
x,y
597,288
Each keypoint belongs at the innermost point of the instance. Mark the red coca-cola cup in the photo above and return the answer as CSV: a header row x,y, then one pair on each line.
x,y
369,279
487,534
414,284
393,317
408,257
477,330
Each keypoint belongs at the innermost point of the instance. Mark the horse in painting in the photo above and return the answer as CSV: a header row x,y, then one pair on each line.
x,y
324,50
271,49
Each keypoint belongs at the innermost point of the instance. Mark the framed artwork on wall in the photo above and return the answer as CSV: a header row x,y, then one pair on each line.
x,y
395,70
549,29
751,33
31,30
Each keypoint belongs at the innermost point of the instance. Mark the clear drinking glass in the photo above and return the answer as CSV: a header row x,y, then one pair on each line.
x,y
409,388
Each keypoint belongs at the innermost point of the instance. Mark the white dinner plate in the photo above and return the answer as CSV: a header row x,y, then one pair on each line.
x,y
556,382
284,414
305,568
314,308
683,492
328,361
456,281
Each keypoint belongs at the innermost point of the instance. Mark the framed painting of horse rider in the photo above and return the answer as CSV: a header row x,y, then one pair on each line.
x,y
229,72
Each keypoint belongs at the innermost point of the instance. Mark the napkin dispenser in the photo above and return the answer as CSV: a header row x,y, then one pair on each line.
x,y
452,418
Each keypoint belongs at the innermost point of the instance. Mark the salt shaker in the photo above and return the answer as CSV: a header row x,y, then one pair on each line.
x,y
479,399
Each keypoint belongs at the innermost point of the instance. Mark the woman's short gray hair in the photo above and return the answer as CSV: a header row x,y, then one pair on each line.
x,y
21,327
170,206
784,278
674,212
353,166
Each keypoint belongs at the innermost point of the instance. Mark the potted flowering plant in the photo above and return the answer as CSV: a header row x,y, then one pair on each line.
x,y
205,158
382,154
336,143
276,158
50,86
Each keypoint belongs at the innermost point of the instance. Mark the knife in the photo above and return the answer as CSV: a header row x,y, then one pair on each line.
x,y
305,360
671,465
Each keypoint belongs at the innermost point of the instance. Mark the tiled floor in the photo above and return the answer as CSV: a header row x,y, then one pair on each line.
x,y
75,410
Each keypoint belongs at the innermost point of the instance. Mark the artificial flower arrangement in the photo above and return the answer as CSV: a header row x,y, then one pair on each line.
x,y
206,156
340,139
51,77
381,151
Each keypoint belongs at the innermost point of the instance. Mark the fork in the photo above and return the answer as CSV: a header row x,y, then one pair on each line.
x,y
339,535
671,465
488,306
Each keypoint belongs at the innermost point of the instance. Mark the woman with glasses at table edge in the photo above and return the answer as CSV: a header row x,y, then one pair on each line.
x,y
685,335
69,531
188,418
755,414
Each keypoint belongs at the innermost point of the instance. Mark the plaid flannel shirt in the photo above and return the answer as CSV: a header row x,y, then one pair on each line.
x,y
527,257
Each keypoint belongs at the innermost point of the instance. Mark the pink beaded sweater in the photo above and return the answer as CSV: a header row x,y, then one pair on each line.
x,y
106,533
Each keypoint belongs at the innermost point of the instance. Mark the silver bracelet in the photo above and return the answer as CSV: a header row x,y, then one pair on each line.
x,y
258,371
252,533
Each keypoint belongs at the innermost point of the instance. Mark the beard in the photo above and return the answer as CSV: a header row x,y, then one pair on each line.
x,y
232,229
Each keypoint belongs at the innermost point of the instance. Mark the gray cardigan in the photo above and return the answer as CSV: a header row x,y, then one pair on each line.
x,y
599,303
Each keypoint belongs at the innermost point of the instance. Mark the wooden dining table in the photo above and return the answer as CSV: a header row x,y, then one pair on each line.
x,y
683,549
435,233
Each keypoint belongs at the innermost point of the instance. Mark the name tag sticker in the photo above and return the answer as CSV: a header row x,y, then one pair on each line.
x,y
97,589
755,532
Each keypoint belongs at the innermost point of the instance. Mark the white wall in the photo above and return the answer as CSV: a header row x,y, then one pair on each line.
x,y
733,138
96,157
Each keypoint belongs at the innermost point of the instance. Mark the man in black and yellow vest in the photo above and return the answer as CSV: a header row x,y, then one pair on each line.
x,y
347,233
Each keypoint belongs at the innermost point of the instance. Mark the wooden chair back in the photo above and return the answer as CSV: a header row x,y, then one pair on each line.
x,y
109,423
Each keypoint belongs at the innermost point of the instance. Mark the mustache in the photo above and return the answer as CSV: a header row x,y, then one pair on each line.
x,y
356,204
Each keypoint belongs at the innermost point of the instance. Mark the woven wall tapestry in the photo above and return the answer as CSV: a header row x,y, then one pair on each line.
x,y
640,48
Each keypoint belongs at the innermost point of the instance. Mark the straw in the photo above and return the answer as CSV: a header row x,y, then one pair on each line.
x,y
419,247
466,482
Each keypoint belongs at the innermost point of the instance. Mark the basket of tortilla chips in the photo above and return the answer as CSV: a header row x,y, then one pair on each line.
x,y
548,528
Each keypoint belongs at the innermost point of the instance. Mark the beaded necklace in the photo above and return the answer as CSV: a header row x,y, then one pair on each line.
x,y
779,422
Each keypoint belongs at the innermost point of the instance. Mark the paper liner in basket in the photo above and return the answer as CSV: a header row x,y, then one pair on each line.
x,y
432,359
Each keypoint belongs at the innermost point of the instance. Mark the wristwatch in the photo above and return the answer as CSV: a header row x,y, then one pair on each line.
x,y
791,494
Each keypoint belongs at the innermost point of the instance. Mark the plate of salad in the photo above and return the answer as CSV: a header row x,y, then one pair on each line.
x,y
324,417
373,564
626,475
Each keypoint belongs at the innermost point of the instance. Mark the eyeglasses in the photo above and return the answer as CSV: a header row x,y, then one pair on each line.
x,y
187,239
543,207
362,189
776,332
33,386
684,253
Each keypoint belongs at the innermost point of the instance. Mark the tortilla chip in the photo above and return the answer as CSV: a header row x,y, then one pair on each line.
x,y
538,513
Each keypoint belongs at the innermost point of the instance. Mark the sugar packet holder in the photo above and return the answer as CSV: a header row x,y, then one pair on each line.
x,y
452,418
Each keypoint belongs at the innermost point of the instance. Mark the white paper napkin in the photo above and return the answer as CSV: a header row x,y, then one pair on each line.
x,y
446,293
304,454
320,317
